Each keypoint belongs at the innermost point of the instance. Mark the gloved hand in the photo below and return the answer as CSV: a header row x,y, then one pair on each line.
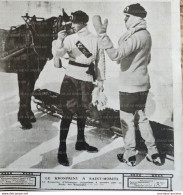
x,y
100,85
62,34
99,27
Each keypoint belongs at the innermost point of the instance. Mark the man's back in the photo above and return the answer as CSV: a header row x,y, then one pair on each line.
x,y
83,37
88,43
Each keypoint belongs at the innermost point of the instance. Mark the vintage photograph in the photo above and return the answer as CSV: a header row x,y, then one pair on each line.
x,y
88,86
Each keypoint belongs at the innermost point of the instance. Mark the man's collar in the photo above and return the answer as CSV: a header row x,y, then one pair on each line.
x,y
84,31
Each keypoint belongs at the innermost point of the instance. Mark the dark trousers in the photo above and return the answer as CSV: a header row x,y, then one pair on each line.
x,y
75,97
130,102
65,124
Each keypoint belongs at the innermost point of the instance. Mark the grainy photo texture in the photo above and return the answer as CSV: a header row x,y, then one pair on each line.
x,y
90,95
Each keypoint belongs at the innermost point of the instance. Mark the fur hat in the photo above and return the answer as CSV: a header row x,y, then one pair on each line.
x,y
135,10
79,17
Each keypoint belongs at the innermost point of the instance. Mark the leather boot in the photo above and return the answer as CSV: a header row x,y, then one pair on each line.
x,y
81,143
64,129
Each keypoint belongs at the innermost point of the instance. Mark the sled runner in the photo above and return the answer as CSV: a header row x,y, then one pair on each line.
x,y
48,102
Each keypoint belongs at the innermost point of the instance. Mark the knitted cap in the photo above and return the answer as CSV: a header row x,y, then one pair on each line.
x,y
79,17
135,10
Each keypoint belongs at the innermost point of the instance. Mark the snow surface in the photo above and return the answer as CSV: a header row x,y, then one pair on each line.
x,y
37,148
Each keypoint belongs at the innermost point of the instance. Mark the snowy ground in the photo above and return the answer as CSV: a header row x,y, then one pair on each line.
x,y
37,147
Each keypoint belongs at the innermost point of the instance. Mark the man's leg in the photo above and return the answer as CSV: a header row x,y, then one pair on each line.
x,y
146,132
81,121
145,129
128,128
127,104
147,135
81,143
64,129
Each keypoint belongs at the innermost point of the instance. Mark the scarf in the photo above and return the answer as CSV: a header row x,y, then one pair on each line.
x,y
139,24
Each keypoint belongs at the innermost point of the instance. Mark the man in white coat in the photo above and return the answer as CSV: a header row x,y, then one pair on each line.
x,y
86,63
133,55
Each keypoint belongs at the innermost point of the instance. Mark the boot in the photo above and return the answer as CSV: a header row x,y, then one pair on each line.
x,y
64,129
155,159
130,162
62,155
85,146
81,143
